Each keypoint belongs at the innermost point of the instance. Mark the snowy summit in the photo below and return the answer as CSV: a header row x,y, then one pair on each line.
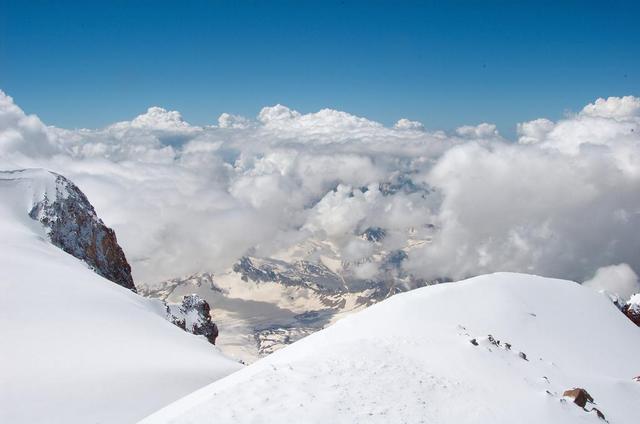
x,y
500,348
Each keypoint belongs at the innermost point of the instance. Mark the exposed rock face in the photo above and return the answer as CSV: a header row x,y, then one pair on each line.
x,y
193,316
599,414
72,225
580,396
632,309
374,234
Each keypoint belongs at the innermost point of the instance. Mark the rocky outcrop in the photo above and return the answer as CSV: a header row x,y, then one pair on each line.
x,y
194,316
374,234
583,399
579,396
73,225
632,309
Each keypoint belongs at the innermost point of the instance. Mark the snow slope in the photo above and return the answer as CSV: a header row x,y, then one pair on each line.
x,y
77,348
409,359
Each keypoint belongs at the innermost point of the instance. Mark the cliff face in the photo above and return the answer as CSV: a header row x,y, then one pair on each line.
x,y
73,225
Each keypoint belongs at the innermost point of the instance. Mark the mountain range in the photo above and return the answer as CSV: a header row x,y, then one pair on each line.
x,y
84,343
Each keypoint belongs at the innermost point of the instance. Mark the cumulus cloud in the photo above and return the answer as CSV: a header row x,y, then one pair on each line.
x,y
534,131
227,120
618,280
326,125
561,201
483,130
156,118
562,206
20,132
613,107
405,124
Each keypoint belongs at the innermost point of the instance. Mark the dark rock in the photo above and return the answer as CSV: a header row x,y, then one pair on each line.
x,y
374,234
523,355
599,413
73,225
194,316
402,183
473,342
632,309
580,396
493,341
394,259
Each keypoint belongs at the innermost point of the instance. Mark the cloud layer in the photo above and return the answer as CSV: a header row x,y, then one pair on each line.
x,y
563,201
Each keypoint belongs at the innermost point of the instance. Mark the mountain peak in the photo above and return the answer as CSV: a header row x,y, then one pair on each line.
x,y
71,223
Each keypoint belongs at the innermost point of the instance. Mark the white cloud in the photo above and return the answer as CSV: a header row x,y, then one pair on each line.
x,y
156,118
277,113
483,130
20,132
326,125
226,120
563,206
182,198
341,211
618,280
613,107
405,124
534,131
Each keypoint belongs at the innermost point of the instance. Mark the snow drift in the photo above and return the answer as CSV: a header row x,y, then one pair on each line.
x,y
77,348
500,348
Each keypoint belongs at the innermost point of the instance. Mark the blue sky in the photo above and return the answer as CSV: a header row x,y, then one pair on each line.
x,y
88,64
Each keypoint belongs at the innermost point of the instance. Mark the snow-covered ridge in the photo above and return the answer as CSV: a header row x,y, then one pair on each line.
x,y
77,348
71,223
499,348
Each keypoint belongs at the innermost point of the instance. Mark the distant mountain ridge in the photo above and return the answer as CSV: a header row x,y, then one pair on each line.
x,y
263,304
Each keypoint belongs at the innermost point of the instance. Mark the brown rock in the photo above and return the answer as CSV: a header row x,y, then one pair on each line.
x,y
580,396
73,225
632,309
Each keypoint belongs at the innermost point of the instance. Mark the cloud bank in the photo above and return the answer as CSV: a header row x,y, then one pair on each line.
x,y
563,200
